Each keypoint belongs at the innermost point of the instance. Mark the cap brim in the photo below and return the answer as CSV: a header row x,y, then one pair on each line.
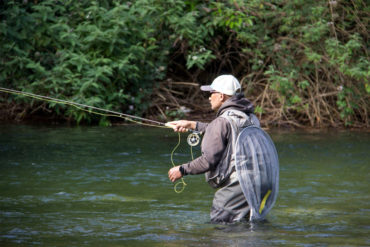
x,y
206,88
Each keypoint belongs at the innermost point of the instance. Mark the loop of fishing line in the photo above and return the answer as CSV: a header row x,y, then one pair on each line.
x,y
173,164
193,138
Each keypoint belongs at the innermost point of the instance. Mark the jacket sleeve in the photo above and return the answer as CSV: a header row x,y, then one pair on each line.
x,y
213,147
201,127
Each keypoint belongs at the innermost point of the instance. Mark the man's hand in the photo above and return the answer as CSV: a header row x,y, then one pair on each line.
x,y
181,125
174,173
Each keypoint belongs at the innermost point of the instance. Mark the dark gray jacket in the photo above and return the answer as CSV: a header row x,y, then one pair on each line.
x,y
217,135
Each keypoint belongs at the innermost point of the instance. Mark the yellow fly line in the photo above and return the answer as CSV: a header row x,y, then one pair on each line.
x,y
131,118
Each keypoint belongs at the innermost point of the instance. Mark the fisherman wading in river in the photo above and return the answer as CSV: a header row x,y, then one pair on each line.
x,y
238,157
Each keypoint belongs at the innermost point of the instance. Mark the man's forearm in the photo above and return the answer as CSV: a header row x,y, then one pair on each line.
x,y
197,166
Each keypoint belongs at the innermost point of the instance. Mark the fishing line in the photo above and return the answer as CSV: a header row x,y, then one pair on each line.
x,y
80,107
193,141
173,164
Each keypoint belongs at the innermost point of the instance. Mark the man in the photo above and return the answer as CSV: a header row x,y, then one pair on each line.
x,y
234,113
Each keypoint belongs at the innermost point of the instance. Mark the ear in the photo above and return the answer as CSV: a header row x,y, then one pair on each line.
x,y
223,97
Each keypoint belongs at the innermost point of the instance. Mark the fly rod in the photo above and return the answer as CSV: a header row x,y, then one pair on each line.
x,y
41,97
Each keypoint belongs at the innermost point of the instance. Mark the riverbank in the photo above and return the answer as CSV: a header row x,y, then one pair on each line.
x,y
170,101
15,114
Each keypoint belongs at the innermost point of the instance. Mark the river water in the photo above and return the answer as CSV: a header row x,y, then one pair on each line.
x,y
108,186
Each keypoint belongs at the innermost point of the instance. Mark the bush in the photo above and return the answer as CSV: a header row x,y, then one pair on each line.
x,y
100,53
302,62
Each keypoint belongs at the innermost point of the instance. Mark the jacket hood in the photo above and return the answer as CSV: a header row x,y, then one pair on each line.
x,y
237,102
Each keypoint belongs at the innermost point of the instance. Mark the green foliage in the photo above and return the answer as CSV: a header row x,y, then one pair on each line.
x,y
312,54
308,58
106,54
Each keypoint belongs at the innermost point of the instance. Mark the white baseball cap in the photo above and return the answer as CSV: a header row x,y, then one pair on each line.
x,y
226,84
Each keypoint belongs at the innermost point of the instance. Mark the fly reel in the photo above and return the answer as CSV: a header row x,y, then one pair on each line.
x,y
193,139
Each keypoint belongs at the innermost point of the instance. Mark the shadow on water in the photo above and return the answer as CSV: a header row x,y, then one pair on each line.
x,y
93,186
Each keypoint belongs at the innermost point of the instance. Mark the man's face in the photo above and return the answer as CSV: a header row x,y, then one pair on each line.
x,y
216,100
